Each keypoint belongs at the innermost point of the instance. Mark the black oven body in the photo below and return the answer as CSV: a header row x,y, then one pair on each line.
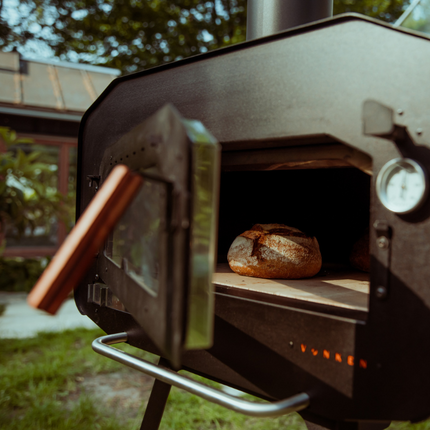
x,y
288,97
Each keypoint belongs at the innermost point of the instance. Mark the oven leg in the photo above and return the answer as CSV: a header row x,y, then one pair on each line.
x,y
156,403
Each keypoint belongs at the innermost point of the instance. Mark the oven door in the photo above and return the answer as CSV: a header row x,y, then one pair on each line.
x,y
159,259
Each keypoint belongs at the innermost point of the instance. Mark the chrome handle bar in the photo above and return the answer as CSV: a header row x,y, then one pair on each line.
x,y
282,407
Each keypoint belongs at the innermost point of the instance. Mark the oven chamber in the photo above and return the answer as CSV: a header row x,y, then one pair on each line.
x,y
289,111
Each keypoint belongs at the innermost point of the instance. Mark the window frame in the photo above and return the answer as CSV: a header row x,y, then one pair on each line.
x,y
64,144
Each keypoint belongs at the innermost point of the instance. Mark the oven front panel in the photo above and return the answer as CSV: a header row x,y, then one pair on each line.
x,y
303,89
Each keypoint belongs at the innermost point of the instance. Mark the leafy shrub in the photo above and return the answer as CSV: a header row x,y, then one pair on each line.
x,y
20,274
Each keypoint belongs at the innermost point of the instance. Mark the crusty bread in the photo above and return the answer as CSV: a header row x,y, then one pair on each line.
x,y
360,256
275,251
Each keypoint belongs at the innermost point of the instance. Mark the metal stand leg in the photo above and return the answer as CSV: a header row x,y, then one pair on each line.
x,y
157,402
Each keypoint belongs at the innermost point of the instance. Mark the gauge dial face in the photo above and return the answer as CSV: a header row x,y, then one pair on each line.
x,y
402,185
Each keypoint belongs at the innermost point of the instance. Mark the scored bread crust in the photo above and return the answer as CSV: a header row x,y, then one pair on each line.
x,y
275,251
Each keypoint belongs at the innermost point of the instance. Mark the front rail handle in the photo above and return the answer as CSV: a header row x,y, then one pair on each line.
x,y
282,407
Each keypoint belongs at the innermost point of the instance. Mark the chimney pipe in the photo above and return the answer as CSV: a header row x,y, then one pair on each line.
x,y
271,16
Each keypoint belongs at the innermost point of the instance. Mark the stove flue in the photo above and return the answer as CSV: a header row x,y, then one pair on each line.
x,y
271,16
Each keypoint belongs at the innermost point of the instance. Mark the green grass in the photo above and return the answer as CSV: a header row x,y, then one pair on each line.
x,y
39,390
37,375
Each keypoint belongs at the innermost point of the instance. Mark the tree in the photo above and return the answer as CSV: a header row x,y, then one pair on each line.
x,y
385,10
129,34
137,34
27,197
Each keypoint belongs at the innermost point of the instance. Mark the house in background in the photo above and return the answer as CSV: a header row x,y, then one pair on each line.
x,y
45,100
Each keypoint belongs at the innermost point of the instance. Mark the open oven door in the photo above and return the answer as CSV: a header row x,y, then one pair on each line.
x,y
160,257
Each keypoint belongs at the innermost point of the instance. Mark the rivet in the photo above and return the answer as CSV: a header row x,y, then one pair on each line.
x,y
291,344
381,292
97,277
382,242
400,111
419,131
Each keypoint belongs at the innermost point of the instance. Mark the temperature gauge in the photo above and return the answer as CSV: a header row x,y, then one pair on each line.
x,y
402,185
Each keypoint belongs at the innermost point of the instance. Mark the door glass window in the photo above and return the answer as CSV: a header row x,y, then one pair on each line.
x,y
205,181
137,241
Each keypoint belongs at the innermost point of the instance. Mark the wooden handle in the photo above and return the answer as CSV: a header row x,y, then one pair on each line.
x,y
78,251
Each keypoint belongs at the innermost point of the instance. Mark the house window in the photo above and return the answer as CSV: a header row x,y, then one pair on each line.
x,y
60,154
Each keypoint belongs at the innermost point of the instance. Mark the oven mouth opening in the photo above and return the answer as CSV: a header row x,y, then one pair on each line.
x,y
331,204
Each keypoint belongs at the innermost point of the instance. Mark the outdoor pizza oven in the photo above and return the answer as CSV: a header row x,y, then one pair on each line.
x,y
309,121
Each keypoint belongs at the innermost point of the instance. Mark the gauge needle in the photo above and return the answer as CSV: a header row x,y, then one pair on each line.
x,y
402,192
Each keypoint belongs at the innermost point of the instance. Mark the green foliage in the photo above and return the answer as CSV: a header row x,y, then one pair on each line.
x,y
385,10
19,274
28,195
129,34
137,34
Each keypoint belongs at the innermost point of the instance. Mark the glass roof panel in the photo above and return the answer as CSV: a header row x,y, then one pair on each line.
x,y
418,17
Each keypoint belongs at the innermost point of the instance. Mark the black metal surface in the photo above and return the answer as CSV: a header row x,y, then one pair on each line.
x,y
307,85
160,148
271,16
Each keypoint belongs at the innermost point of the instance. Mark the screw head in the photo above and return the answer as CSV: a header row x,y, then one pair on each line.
x,y
419,131
382,242
381,292
97,277
400,111
291,344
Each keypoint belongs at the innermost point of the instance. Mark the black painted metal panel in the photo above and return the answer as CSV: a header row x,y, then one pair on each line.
x,y
303,86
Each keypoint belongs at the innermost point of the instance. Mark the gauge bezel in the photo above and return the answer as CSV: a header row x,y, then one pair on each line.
x,y
381,183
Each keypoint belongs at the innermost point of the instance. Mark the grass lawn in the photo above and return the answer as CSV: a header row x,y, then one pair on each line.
x,y
42,384
56,381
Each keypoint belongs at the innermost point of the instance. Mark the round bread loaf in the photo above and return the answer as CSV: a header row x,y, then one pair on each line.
x,y
360,256
275,251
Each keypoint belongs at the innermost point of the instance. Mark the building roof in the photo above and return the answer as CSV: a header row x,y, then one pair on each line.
x,y
49,89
